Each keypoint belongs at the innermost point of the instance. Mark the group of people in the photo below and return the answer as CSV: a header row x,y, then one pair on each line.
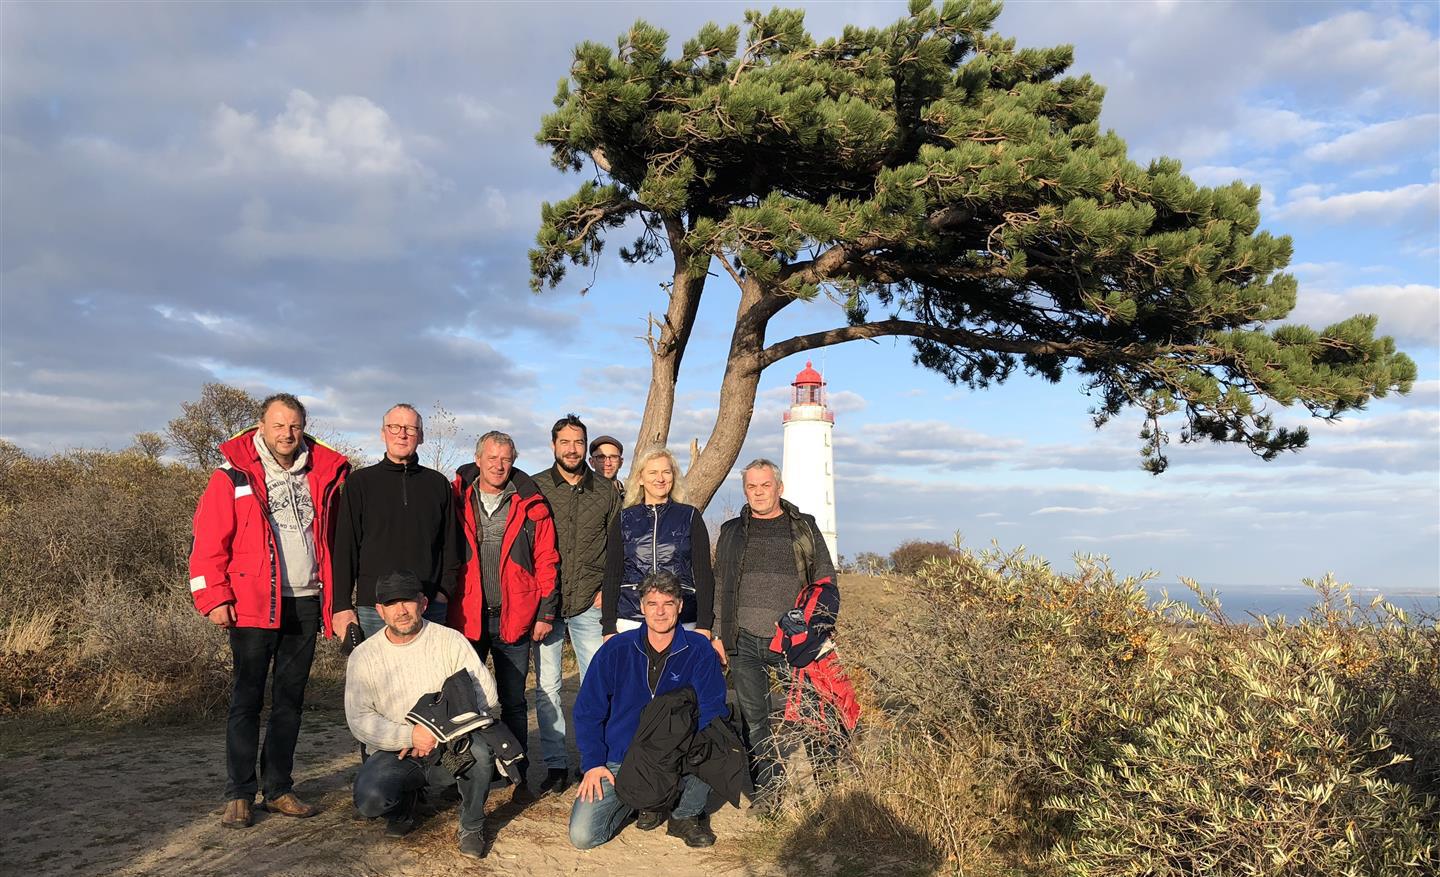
x,y
426,578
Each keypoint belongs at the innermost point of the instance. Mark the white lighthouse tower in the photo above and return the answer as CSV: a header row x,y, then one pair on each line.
x,y
809,470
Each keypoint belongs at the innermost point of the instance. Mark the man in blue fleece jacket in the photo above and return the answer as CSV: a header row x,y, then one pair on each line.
x,y
626,674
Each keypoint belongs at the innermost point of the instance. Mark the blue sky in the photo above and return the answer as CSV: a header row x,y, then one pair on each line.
x,y
337,200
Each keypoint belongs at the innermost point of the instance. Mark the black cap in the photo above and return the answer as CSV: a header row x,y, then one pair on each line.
x,y
399,585
606,440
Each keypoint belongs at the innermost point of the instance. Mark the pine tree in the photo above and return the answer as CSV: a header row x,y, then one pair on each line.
x,y
946,186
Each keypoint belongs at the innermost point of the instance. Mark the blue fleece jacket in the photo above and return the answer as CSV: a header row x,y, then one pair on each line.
x,y
617,689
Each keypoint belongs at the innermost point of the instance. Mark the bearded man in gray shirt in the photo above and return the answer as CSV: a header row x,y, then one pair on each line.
x,y
764,558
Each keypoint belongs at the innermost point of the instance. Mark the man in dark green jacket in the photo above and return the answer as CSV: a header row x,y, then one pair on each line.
x,y
763,559
584,504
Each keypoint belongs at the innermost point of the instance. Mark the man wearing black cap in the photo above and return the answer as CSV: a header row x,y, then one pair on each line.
x,y
384,678
606,457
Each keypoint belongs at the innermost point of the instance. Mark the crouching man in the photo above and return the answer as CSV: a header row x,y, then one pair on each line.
x,y
629,672
384,679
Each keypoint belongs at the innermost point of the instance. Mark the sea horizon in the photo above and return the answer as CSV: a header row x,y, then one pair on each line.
x,y
1293,601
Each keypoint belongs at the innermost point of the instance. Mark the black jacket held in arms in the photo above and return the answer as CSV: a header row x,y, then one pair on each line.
x,y
666,747
812,563
454,712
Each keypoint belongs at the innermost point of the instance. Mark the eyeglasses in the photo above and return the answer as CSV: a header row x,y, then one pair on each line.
x,y
401,429
609,458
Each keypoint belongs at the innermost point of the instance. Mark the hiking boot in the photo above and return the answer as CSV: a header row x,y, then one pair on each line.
x,y
289,804
557,780
693,831
649,820
237,813
401,821
474,845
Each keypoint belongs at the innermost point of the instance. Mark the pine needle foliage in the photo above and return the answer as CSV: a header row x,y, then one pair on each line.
x,y
942,184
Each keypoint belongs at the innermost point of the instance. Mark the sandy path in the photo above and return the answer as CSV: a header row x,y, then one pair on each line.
x,y
129,807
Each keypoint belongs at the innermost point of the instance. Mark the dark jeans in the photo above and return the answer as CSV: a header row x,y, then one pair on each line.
x,y
386,781
512,662
289,649
750,669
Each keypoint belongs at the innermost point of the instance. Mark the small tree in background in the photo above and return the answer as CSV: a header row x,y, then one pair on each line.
x,y
909,557
442,437
150,444
221,412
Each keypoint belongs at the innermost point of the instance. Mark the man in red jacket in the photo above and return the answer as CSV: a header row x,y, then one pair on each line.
x,y
507,596
260,567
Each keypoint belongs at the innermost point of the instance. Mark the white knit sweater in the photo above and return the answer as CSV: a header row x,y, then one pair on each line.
x,y
383,680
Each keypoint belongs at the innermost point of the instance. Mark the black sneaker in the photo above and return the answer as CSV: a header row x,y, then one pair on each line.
x,y
649,820
557,780
474,845
693,831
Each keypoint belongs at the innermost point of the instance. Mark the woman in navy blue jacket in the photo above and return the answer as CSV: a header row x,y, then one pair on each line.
x,y
657,531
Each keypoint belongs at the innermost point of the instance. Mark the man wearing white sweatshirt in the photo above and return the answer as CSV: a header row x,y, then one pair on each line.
x,y
385,676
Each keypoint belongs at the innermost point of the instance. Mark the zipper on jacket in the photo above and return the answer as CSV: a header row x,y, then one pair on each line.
x,y
655,544
669,653
404,491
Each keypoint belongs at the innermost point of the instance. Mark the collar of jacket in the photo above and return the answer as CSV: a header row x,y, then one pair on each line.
x,y
239,451
411,464
678,644
525,486
587,481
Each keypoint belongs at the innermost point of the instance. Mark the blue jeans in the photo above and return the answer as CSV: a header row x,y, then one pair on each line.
x,y
385,781
369,619
750,669
289,650
585,638
512,662
592,823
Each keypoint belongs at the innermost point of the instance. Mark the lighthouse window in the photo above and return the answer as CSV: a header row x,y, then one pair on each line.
x,y
827,440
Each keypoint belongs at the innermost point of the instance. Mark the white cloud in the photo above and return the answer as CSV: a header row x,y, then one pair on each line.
x,y
1387,206
348,136
1072,510
1380,140
1268,127
1410,312
473,110
1362,53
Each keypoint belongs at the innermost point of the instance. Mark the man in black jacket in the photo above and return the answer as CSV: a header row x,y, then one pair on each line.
x,y
763,559
584,506
394,515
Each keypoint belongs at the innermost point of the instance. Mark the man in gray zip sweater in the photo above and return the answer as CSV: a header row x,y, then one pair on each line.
x,y
584,505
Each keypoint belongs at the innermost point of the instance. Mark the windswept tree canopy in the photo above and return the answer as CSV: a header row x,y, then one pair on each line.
x,y
943,185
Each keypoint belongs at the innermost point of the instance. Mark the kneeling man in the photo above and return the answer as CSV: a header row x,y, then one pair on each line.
x,y
385,677
628,672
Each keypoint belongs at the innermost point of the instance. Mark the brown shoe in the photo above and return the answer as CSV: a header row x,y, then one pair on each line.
x,y
237,814
290,805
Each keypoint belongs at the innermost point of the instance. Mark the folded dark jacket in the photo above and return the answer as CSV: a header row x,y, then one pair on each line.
x,y
454,711
666,747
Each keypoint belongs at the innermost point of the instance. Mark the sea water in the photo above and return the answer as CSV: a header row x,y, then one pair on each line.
x,y
1244,603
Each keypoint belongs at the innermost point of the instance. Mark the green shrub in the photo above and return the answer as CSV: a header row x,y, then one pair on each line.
x,y
910,557
1080,730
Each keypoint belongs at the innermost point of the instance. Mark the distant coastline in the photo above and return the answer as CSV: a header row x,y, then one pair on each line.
x,y
1241,602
